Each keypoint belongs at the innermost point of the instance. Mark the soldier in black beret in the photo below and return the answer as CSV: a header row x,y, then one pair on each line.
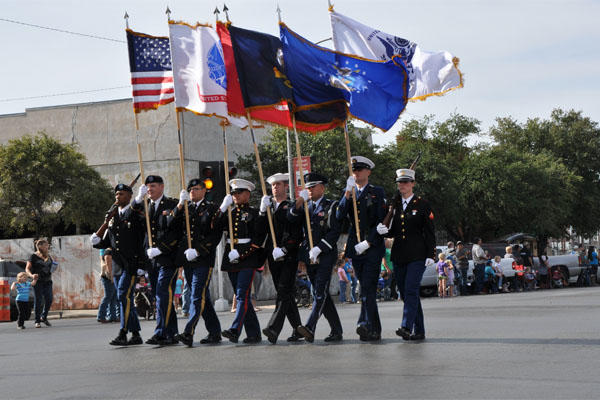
x,y
198,262
319,260
166,232
125,236
414,247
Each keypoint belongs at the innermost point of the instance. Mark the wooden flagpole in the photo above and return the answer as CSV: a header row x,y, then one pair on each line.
x,y
182,172
349,158
227,190
302,183
140,160
261,178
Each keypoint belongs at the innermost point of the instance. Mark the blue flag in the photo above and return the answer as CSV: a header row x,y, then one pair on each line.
x,y
376,91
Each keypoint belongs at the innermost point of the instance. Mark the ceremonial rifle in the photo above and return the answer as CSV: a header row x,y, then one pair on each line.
x,y
112,211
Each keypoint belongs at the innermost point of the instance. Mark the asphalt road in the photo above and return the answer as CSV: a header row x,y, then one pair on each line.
x,y
543,344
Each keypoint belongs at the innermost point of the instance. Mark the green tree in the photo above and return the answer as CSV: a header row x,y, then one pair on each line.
x,y
571,139
44,183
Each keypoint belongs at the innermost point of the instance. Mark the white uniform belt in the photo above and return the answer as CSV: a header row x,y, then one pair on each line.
x,y
241,241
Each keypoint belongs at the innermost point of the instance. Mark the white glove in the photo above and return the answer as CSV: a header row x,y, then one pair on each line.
x,y
382,229
313,254
141,193
278,253
429,261
94,239
183,196
350,183
227,201
233,255
361,247
265,203
153,252
304,194
190,254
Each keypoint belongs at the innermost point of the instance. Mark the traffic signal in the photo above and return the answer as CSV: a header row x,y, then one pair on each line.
x,y
212,173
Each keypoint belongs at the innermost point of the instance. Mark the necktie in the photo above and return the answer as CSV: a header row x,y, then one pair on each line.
x,y
151,209
404,204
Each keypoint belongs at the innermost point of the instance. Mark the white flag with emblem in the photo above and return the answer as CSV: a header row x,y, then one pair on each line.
x,y
430,73
199,71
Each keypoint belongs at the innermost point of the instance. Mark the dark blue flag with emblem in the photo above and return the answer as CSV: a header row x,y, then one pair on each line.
x,y
266,91
376,91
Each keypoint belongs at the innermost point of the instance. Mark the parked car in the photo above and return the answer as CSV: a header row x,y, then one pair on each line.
x,y
10,269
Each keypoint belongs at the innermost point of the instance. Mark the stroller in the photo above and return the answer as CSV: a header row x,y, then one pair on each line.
x,y
144,303
303,291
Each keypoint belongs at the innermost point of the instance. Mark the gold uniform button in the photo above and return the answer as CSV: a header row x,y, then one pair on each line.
x,y
403,237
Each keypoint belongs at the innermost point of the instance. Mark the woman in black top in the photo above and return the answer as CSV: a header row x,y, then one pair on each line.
x,y
40,265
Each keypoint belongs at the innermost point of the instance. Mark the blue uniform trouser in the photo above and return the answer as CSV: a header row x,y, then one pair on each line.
x,y
368,268
153,279
201,305
166,319
244,314
186,296
43,299
125,284
108,307
320,278
408,277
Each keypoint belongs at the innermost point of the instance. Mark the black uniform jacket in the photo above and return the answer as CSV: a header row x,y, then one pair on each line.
x,y
288,234
165,229
371,211
204,238
413,231
125,236
248,234
324,224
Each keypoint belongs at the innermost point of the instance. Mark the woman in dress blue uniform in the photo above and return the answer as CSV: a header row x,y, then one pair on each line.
x,y
414,247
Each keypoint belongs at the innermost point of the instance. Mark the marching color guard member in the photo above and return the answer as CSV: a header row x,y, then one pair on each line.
x,y
319,260
414,246
198,262
367,254
165,232
247,255
283,259
125,236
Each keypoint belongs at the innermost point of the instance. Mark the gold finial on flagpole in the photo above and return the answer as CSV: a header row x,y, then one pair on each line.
x,y
225,9
278,12
330,5
216,12
126,17
168,12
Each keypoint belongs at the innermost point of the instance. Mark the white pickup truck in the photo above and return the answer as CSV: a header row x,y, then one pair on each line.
x,y
568,264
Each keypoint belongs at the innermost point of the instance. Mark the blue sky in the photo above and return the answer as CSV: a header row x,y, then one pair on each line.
x,y
520,58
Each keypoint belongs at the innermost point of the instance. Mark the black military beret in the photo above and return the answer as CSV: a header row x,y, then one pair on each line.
x,y
122,187
153,179
195,182
312,179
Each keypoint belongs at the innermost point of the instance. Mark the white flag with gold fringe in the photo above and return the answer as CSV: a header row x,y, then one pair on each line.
x,y
430,73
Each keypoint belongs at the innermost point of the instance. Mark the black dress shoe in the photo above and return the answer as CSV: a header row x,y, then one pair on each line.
x,y
252,339
211,339
270,334
154,340
296,337
135,339
185,338
307,333
46,322
403,333
417,336
230,334
374,337
334,337
170,341
362,332
120,340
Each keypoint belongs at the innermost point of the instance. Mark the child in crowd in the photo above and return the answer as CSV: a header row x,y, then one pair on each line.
x,y
442,278
499,274
490,277
22,285
450,277
178,291
529,279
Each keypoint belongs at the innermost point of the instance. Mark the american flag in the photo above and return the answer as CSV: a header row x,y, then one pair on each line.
x,y
151,70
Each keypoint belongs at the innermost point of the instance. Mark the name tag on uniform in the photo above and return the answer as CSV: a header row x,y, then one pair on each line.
x,y
321,214
244,216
